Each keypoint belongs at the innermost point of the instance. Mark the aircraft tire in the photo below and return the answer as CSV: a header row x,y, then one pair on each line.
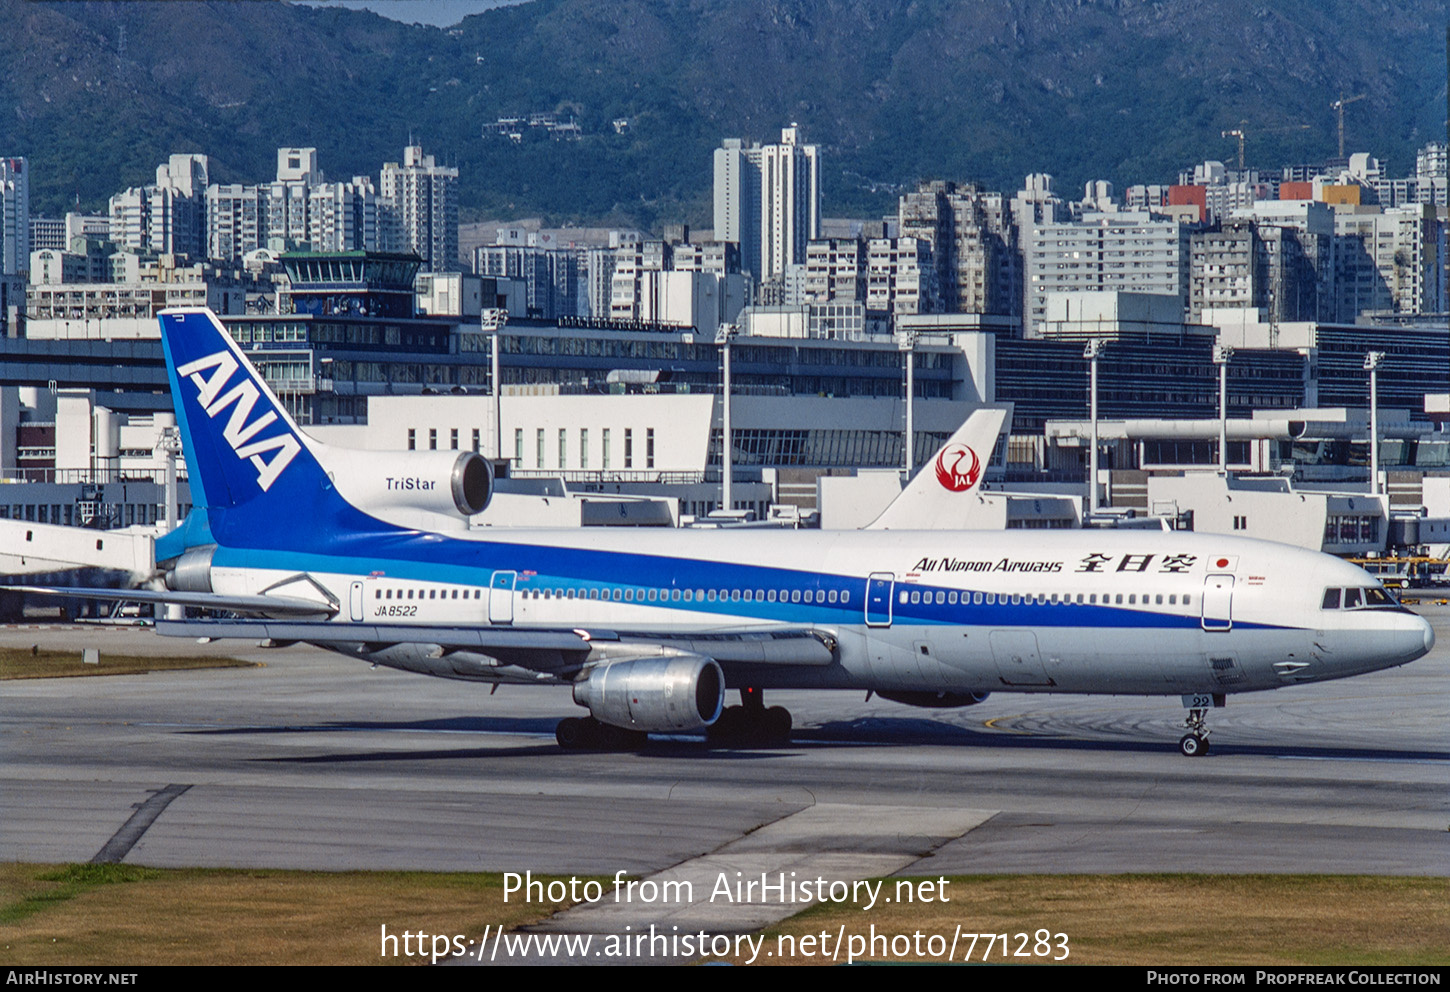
x,y
1193,746
570,733
777,725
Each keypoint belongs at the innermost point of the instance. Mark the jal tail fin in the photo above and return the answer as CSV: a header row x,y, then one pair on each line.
x,y
935,498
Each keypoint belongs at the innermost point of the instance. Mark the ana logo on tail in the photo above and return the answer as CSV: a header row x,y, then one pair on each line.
x,y
238,432
949,471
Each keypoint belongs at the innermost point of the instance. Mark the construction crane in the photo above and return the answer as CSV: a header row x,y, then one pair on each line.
x,y
1339,105
1237,132
1240,133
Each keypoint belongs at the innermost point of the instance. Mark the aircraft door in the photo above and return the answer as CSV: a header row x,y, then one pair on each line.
x,y
501,597
880,587
1018,660
355,602
1218,594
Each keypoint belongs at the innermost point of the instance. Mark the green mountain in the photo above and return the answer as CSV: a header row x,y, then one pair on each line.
x,y
1127,90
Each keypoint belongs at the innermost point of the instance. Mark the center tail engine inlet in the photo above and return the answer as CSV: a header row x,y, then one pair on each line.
x,y
431,489
672,694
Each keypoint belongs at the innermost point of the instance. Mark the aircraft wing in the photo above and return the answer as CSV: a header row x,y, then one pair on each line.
x,y
555,651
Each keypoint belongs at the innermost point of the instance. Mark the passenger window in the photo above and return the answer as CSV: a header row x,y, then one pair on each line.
x,y
952,599
1158,599
1331,600
770,596
1119,600
903,598
845,597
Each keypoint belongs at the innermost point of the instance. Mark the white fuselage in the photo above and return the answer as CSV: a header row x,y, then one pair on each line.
x,y
1146,612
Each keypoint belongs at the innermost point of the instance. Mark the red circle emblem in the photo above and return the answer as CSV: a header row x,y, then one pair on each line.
x,y
958,468
1221,563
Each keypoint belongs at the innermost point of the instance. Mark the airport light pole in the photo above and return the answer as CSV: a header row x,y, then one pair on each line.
x,y
1092,352
906,341
723,336
1372,361
492,323
1222,354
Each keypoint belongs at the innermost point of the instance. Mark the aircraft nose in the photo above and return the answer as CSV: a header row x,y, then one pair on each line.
x,y
1429,635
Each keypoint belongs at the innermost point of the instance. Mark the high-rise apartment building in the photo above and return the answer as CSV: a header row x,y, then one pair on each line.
x,y
768,201
1295,250
836,271
900,275
14,216
349,217
1388,261
972,243
168,217
1128,251
424,196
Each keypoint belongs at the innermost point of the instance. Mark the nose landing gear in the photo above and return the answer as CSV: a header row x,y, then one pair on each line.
x,y
1194,744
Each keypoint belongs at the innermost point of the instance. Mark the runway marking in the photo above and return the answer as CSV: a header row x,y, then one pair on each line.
x,y
992,725
836,841
146,813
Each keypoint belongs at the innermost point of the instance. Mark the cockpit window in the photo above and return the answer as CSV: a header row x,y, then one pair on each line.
x,y
1360,598
1378,597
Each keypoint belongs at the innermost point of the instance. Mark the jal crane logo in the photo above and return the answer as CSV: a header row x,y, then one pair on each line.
x,y
958,468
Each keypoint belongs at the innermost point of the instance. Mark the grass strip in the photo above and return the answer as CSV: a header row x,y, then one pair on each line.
x,y
29,663
126,915
1154,920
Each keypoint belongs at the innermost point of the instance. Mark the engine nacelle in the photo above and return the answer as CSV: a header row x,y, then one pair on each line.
x,y
414,488
936,700
655,694
192,571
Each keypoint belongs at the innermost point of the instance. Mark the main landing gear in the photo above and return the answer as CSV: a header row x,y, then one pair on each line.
x,y
751,723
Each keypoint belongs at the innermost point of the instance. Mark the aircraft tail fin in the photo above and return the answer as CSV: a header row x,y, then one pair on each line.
x,y
936,497
249,466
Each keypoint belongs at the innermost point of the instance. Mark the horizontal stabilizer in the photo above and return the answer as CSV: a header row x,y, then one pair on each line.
x,y
266,605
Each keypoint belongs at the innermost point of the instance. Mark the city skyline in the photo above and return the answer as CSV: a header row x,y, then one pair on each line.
x,y
642,112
